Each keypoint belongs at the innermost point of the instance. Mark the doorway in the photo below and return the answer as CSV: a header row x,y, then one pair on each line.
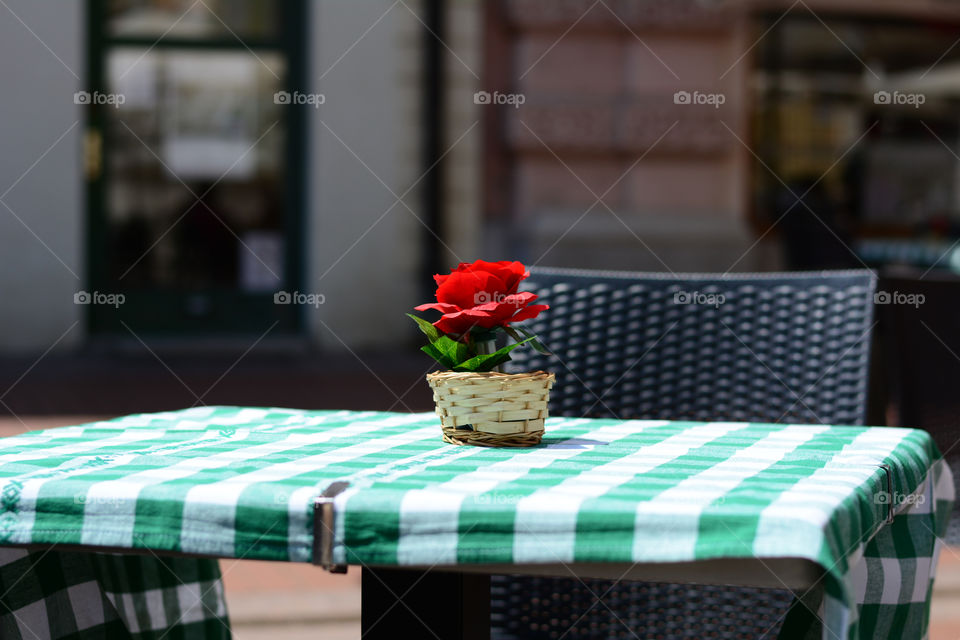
x,y
194,165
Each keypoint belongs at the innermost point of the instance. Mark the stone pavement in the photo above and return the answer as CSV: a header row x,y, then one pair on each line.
x,y
291,601
945,613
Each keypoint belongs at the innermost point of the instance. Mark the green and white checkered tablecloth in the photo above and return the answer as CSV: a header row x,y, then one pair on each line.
x,y
239,483
60,595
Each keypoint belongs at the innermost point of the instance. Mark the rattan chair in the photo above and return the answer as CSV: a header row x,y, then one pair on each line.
x,y
790,347
919,315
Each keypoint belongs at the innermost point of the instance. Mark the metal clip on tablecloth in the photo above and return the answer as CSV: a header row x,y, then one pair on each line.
x,y
323,531
889,490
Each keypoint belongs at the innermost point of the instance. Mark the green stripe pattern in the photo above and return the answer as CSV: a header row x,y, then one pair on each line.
x,y
240,482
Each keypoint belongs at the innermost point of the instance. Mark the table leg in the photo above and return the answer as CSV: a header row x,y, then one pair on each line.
x,y
418,604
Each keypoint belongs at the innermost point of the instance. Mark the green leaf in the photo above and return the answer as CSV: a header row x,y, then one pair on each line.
x,y
438,355
483,362
455,350
433,334
513,334
487,361
536,344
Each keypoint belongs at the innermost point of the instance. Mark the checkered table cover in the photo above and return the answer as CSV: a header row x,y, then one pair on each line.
x,y
60,595
239,483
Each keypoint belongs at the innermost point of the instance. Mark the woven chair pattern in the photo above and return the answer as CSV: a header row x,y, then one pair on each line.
x,y
747,347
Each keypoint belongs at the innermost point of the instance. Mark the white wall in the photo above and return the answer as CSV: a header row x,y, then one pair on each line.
x,y
362,257
41,258
464,132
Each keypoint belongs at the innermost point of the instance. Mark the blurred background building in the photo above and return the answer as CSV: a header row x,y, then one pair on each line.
x,y
235,201
294,171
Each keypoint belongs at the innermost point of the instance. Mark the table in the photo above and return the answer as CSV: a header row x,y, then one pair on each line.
x,y
854,510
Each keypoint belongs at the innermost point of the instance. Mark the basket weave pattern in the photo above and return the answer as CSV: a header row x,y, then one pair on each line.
x,y
491,409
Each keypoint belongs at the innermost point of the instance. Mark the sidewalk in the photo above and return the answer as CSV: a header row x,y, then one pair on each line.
x,y
945,610
291,601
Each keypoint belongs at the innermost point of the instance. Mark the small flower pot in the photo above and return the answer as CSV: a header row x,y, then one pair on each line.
x,y
491,409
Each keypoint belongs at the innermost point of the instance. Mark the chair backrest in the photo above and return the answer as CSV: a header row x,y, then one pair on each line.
x,y
778,347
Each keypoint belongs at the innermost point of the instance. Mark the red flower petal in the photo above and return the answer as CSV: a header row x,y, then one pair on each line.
x,y
438,306
511,273
478,318
482,294
522,299
456,323
468,289
529,313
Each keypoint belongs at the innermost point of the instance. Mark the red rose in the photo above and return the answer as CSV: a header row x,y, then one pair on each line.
x,y
482,294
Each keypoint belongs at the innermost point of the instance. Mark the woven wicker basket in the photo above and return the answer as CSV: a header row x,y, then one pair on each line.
x,y
492,409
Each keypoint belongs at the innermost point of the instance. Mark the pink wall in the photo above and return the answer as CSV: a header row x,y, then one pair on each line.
x,y
599,98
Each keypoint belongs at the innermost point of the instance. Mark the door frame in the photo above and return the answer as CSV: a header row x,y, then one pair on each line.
x,y
291,42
